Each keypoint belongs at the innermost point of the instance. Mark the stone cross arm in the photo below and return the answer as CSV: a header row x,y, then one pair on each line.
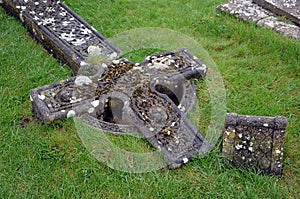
x,y
60,30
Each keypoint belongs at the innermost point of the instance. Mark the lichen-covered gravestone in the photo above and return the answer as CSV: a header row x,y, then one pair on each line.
x,y
250,11
287,8
255,142
61,31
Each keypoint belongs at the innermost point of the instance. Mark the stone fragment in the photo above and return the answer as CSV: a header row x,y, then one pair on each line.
x,y
250,11
253,141
287,8
61,31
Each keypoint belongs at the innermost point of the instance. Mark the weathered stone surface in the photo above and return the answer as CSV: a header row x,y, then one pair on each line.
x,y
61,31
288,8
250,11
252,141
151,97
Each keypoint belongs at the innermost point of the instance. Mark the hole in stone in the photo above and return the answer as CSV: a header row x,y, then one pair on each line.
x,y
113,111
174,93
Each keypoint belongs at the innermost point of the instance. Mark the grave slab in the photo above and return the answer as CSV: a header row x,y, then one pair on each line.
x,y
249,11
255,142
61,31
151,97
287,8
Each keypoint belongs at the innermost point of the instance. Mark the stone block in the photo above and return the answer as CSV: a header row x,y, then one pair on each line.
x,y
255,142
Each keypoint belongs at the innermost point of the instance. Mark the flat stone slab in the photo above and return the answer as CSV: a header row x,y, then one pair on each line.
x,y
288,8
151,98
61,31
250,11
255,142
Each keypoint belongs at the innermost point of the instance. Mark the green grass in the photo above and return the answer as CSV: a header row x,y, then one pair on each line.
x,y
261,73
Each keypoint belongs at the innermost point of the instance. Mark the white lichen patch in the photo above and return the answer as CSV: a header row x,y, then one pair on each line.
x,y
185,160
95,103
104,65
113,55
71,113
277,151
49,21
158,66
79,42
81,80
116,62
21,16
85,31
63,14
74,100
68,36
238,146
83,63
265,125
94,50
42,97
182,109
91,110
250,149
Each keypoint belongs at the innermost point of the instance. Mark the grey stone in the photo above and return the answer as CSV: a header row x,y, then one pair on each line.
x,y
152,97
255,142
288,8
250,11
61,31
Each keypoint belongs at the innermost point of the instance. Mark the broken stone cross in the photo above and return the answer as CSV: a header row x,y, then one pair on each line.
x,y
151,98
